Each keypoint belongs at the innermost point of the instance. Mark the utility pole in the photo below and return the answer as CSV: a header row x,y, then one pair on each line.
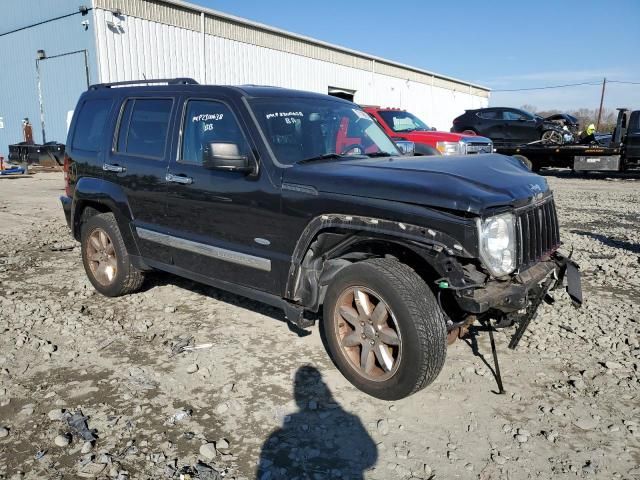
x,y
604,84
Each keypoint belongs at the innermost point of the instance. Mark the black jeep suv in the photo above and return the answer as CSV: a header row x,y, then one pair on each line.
x,y
301,201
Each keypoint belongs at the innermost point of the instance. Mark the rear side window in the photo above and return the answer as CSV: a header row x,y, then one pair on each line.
x,y
144,125
90,124
489,115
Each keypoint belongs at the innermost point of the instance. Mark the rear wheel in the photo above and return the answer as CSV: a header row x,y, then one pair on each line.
x,y
105,258
384,328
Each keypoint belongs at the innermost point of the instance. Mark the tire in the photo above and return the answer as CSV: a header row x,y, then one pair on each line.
x,y
524,160
552,137
117,276
412,313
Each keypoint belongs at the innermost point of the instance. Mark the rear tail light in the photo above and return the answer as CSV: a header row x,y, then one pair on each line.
x,y
66,167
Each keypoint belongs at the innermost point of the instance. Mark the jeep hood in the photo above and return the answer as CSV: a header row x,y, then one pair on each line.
x,y
469,183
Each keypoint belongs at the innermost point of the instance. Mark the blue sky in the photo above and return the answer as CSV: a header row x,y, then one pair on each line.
x,y
500,44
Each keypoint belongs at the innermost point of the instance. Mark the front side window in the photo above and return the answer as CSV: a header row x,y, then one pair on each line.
x,y
512,116
144,126
91,123
207,122
400,121
305,128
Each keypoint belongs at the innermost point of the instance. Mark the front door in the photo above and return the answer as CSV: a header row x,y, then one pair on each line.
x,y
519,128
222,222
138,164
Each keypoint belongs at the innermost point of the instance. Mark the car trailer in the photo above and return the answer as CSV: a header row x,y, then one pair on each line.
x,y
576,157
623,150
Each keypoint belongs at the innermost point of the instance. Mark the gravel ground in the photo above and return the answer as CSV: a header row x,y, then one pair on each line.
x,y
92,387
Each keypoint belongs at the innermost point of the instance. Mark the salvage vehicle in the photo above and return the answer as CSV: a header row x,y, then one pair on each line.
x,y
511,126
301,201
608,153
403,125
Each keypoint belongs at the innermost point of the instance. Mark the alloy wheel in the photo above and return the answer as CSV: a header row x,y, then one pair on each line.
x,y
101,256
368,333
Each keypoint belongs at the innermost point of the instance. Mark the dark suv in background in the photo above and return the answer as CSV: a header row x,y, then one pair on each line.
x,y
509,126
301,201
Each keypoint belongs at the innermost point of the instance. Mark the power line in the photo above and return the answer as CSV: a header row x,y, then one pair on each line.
x,y
623,82
563,86
82,10
547,87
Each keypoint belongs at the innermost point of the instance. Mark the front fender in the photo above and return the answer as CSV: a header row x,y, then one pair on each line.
x,y
104,196
396,231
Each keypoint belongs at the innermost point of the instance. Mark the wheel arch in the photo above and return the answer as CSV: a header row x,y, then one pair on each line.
x,y
93,196
331,242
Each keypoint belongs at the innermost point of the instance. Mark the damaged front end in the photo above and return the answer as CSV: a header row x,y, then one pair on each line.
x,y
517,299
520,264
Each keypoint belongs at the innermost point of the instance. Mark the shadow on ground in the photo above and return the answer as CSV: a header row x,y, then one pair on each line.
x,y
320,440
610,242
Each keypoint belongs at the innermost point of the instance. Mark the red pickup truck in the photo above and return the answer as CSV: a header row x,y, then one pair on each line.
x,y
402,125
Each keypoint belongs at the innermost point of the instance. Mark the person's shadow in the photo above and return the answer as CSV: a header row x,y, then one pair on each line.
x,y
319,441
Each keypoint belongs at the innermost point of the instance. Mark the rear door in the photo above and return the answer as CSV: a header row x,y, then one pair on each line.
x,y
490,124
633,136
138,163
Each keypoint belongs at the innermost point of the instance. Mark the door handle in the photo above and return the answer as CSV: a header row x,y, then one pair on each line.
x,y
184,180
108,167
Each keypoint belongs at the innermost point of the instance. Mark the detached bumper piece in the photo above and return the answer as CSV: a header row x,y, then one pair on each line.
x,y
537,282
565,268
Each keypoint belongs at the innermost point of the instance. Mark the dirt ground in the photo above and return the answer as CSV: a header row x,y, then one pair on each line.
x,y
259,394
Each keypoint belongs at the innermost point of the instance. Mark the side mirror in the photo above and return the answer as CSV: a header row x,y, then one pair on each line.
x,y
225,156
407,148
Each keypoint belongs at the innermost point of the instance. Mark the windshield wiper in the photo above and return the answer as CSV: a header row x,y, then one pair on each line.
x,y
326,156
381,154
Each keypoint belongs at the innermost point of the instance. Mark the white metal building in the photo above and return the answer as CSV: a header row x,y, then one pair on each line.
x,y
113,40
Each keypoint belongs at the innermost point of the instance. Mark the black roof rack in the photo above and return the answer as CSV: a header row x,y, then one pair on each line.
x,y
168,81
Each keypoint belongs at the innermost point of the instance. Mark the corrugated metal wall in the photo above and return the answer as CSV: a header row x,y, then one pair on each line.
x,y
63,79
140,48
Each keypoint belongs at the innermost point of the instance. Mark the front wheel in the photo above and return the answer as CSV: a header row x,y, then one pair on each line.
x,y
553,137
384,328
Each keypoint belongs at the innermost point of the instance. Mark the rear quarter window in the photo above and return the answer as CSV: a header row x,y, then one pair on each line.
x,y
91,124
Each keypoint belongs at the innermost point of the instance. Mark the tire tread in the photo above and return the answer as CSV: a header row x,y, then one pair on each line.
x,y
421,304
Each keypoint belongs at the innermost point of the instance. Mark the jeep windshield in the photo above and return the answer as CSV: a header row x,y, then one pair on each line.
x,y
400,121
311,129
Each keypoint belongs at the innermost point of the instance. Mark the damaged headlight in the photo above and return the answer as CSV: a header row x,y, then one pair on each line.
x,y
498,243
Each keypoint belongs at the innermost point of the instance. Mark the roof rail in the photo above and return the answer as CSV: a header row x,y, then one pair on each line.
x,y
168,81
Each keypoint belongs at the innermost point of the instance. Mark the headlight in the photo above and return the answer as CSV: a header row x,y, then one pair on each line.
x,y
498,243
449,148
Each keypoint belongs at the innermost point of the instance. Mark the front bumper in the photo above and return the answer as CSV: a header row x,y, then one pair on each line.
x,y
515,294
66,207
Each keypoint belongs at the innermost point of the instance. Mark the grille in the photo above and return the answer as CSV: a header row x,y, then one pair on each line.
x,y
479,148
538,233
